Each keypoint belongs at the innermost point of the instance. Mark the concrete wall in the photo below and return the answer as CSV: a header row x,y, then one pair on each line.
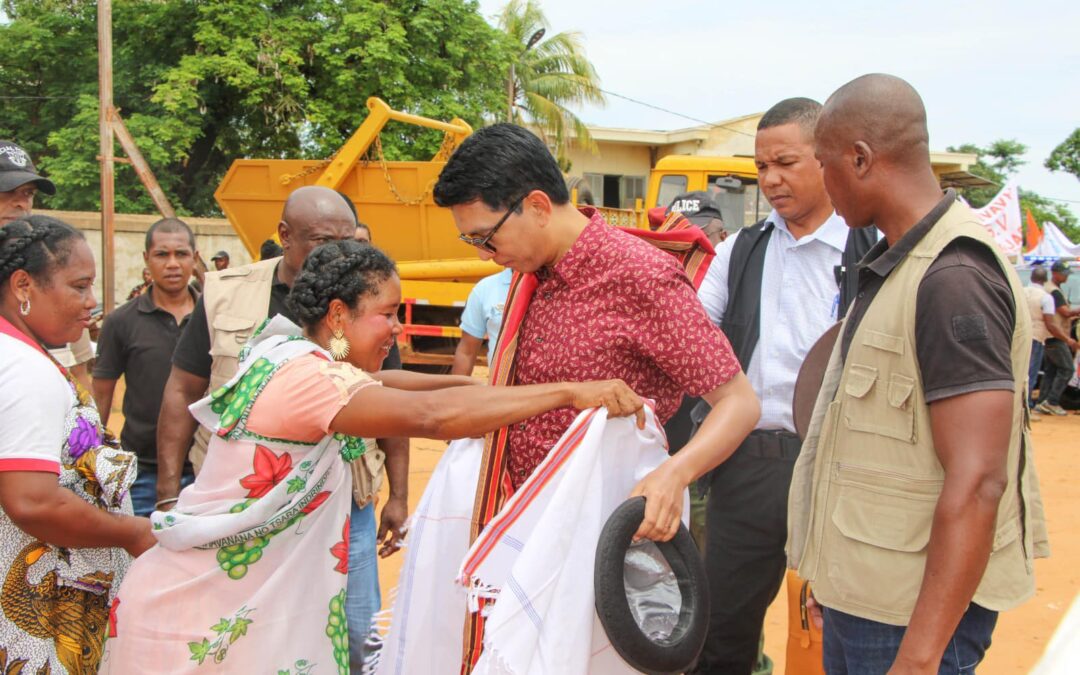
x,y
612,158
211,236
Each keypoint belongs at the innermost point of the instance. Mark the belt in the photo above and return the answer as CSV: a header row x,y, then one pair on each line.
x,y
771,444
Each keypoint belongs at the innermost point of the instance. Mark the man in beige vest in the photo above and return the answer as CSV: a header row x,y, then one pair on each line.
x,y
1040,305
1060,346
234,303
914,509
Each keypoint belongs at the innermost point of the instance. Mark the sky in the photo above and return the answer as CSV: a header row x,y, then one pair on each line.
x,y
986,70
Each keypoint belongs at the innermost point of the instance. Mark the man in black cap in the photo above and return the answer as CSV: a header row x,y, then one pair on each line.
x,y
220,260
1059,353
703,210
19,183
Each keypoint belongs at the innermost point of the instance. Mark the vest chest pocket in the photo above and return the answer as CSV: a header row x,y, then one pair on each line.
x,y
230,334
878,406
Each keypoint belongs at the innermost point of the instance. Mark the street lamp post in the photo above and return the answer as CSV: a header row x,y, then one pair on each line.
x,y
511,89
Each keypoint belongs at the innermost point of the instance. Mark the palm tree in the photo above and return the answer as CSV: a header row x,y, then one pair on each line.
x,y
547,76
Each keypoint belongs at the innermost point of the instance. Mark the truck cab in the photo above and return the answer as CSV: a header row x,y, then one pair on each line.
x,y
733,178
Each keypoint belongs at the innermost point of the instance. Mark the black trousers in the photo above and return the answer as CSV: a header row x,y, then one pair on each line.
x,y
746,526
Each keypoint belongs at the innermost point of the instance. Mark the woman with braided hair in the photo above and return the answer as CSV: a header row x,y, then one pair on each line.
x,y
250,571
66,529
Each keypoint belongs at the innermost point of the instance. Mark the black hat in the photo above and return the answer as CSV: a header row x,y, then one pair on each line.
x,y
220,254
1061,266
699,207
16,169
633,587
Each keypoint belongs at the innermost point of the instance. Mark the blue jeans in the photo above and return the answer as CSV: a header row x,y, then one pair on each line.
x,y
362,598
863,647
144,489
1034,368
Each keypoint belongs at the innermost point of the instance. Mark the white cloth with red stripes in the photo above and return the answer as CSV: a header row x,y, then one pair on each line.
x,y
535,558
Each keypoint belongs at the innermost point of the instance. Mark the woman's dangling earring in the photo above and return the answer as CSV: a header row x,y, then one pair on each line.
x,y
24,307
339,345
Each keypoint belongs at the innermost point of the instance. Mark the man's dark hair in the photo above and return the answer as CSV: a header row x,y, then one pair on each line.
x,y
169,226
349,203
499,165
345,270
37,244
802,111
269,249
1038,274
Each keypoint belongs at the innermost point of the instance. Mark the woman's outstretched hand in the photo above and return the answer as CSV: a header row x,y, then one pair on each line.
x,y
614,395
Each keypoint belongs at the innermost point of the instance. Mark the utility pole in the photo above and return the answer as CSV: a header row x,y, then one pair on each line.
x,y
510,95
511,85
105,106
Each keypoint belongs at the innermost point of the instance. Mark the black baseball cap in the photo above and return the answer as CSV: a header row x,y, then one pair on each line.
x,y
16,169
1061,267
699,207
220,254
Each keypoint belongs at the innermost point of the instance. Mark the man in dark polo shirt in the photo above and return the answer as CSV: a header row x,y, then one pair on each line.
x,y
137,341
914,510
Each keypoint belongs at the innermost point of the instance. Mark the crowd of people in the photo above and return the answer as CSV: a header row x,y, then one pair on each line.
x,y
265,403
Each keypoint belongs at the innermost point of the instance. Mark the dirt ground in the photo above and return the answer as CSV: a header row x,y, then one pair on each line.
x,y
1021,634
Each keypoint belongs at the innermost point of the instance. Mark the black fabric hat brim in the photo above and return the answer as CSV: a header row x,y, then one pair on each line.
x,y
811,375
9,180
613,609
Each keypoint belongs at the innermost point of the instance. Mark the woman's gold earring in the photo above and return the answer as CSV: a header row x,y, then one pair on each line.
x,y
339,345
24,307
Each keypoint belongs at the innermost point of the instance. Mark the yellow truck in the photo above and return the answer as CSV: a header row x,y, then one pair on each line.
x,y
733,179
394,200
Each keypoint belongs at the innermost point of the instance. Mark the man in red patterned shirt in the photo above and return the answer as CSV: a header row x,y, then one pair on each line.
x,y
607,305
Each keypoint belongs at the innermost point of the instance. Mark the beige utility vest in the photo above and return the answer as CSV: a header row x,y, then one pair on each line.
x,y
868,478
237,301
1034,295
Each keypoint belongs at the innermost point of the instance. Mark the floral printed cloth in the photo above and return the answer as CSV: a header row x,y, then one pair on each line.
x,y
249,573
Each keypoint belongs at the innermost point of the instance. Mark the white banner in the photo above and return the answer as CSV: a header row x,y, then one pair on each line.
x,y
1001,218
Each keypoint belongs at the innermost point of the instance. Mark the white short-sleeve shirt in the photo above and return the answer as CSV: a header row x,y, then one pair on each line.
x,y
484,309
34,402
799,301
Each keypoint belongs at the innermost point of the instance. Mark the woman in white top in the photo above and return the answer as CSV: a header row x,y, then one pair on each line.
x,y
65,526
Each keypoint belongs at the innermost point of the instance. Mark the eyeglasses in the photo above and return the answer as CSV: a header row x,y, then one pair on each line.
x,y
482,242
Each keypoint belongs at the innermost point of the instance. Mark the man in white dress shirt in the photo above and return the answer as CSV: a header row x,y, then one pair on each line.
x,y
774,289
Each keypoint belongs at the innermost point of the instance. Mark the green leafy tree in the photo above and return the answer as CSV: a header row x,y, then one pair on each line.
x,y
997,162
1066,156
548,78
200,84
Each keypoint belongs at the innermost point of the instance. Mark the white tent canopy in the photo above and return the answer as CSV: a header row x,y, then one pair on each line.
x,y
1054,244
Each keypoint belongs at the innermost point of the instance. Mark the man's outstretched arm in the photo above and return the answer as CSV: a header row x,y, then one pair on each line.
x,y
176,429
396,510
